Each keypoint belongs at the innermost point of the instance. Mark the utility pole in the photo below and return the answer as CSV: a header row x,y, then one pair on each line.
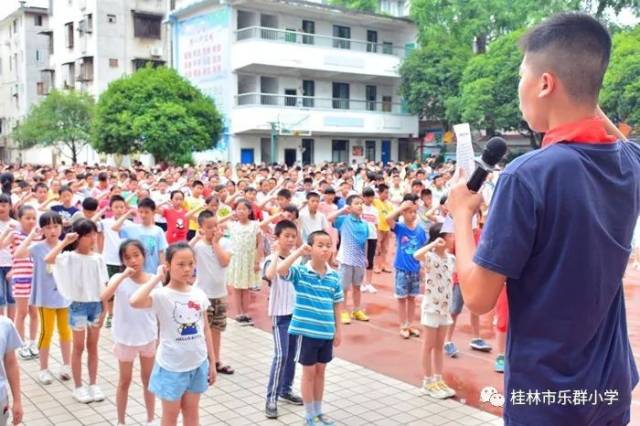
x,y
274,141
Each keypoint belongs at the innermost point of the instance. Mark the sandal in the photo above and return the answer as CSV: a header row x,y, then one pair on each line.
x,y
377,271
224,369
414,332
404,332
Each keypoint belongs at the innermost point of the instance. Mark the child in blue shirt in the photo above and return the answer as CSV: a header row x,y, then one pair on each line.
x,y
409,238
354,233
319,298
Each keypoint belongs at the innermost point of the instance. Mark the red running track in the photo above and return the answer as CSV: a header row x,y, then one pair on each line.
x,y
377,344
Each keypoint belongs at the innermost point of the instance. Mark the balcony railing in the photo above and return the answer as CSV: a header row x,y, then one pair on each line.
x,y
287,36
312,102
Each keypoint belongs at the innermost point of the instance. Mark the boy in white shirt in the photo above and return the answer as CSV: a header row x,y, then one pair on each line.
x,y
213,254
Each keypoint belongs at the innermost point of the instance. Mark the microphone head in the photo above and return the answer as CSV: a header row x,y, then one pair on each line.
x,y
494,151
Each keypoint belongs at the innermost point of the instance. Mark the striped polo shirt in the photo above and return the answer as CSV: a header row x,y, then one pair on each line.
x,y
316,295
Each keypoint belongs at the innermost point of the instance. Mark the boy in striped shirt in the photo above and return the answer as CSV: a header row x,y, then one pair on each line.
x,y
316,314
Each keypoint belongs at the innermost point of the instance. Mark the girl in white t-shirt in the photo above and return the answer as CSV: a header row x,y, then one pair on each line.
x,y
185,362
80,275
130,341
439,266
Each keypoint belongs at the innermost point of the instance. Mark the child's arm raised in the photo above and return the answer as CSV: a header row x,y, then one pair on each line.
x,y
53,254
393,216
224,257
334,214
419,254
114,282
117,226
285,265
141,298
7,236
23,249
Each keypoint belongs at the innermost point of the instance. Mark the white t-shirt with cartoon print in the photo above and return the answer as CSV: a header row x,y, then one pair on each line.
x,y
438,283
181,316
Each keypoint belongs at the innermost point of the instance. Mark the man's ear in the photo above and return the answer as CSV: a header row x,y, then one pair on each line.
x,y
548,84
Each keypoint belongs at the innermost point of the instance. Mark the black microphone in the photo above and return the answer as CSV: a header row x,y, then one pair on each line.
x,y
494,151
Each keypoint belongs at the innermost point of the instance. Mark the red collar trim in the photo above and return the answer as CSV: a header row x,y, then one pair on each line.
x,y
589,130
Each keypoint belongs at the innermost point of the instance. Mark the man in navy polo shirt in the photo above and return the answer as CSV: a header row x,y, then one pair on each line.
x,y
559,232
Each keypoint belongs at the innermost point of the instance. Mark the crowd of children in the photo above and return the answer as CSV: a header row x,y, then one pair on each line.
x,y
161,249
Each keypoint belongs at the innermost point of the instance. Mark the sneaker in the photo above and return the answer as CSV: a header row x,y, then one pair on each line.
x,y
404,332
33,348
291,398
248,320
372,289
82,395
65,373
45,377
309,421
152,423
271,410
323,419
107,323
359,315
446,389
480,345
451,350
499,365
364,288
433,390
24,353
96,393
345,317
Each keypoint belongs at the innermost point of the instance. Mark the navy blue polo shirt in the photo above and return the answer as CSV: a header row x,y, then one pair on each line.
x,y
560,227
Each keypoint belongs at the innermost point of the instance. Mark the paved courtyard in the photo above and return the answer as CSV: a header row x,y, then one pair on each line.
x,y
354,395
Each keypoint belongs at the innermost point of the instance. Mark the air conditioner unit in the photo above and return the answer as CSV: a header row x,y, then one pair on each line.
x,y
156,51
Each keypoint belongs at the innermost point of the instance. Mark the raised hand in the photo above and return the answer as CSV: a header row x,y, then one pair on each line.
x,y
71,237
128,272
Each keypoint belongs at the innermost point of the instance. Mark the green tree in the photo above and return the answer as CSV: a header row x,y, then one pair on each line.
x,y
157,111
366,5
620,96
63,117
430,75
489,89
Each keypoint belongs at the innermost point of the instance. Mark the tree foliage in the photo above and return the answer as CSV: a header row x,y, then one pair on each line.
x,y
157,111
466,67
63,117
489,87
620,96
366,5
430,75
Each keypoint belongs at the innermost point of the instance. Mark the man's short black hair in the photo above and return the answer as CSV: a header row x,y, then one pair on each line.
x,y
313,194
576,47
293,210
425,193
410,197
197,183
330,190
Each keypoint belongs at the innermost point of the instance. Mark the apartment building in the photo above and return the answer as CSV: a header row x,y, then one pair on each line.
x,y
298,81
24,51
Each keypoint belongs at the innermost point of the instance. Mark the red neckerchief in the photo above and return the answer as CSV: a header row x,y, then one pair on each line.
x,y
589,130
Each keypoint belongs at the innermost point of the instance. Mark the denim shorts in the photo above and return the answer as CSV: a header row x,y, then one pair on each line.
x,y
170,385
6,293
407,284
457,302
84,314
